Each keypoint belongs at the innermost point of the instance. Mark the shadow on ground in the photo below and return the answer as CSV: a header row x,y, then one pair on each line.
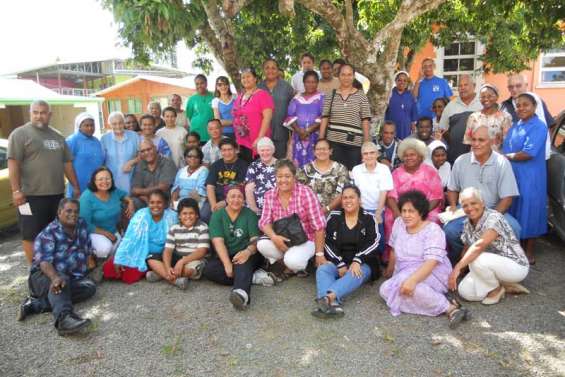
x,y
156,330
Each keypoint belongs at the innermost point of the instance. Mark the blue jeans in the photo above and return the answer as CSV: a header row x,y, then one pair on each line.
x,y
328,280
454,229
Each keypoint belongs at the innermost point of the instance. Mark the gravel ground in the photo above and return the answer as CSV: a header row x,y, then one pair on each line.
x,y
152,329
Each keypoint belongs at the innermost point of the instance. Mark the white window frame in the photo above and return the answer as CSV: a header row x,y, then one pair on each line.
x,y
477,73
546,84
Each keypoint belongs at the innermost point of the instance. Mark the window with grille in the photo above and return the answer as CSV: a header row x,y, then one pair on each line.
x,y
553,67
460,58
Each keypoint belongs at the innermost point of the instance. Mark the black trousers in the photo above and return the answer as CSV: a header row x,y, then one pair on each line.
x,y
43,300
242,273
347,155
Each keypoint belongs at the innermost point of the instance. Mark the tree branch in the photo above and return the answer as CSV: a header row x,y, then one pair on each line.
x,y
286,8
408,11
232,7
349,15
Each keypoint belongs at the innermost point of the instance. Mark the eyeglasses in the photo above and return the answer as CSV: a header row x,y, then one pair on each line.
x,y
146,150
221,84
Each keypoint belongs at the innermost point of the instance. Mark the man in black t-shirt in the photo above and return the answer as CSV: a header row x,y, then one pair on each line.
x,y
226,171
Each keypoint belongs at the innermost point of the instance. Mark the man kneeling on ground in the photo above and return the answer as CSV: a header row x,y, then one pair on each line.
x,y
58,273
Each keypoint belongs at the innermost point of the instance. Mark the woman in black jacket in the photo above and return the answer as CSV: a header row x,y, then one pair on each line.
x,y
349,257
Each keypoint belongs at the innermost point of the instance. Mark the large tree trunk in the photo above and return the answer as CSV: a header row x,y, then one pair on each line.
x,y
220,35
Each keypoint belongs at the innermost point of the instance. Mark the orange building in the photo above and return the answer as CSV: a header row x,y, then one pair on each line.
x,y
546,76
133,95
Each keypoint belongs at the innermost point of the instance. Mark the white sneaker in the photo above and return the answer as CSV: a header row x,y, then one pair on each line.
x,y
261,277
152,276
181,283
239,299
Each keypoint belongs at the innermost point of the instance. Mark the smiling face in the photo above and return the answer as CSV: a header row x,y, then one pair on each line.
x,y
481,144
438,108
68,215
412,159
234,199
271,70
228,152
369,156
350,201
147,151
117,125
156,205
424,130
87,127
39,114
428,67
307,64
148,127
525,108
103,180
322,151
310,85
265,153
192,141
466,87
130,123
176,101
285,179
192,160
401,82
155,110
516,85
488,98
188,217
222,86
248,80
201,86
472,207
346,76
439,156
326,70
170,119
410,215
214,130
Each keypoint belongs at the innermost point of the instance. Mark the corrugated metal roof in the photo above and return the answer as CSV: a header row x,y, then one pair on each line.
x,y
24,91
186,82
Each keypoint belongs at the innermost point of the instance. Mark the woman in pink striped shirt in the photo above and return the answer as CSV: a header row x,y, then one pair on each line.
x,y
287,198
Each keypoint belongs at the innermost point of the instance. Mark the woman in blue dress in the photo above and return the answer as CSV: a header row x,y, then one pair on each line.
x,y
120,147
402,108
87,151
524,146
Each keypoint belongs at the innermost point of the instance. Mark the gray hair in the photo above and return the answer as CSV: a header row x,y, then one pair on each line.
x,y
265,142
369,146
153,103
116,114
63,202
40,102
470,192
468,76
412,143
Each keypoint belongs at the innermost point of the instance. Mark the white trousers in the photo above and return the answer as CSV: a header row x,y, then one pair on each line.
x,y
102,246
487,272
296,258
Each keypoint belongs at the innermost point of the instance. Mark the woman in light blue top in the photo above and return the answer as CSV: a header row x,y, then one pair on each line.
x,y
222,105
101,208
120,147
191,182
86,149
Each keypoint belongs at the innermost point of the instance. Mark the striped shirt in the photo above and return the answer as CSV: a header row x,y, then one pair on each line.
x,y
346,116
185,240
303,202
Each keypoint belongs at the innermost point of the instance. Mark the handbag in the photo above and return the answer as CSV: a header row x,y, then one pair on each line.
x,y
291,228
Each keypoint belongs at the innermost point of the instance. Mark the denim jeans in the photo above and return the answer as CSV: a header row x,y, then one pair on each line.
x,y
74,291
328,280
454,229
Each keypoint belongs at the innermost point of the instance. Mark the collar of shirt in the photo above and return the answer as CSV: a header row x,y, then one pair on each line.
x,y
471,104
490,160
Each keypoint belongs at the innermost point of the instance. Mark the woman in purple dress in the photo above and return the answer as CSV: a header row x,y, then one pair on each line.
x,y
304,113
418,267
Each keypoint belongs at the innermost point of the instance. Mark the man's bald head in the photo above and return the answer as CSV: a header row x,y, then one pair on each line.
x,y
517,84
466,87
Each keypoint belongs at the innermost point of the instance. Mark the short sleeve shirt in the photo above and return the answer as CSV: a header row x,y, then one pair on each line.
x,y
165,172
495,178
264,178
175,139
325,185
185,240
371,183
506,244
223,174
236,234
42,153
429,90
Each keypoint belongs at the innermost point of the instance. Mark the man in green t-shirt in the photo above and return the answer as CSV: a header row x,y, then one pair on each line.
x,y
199,108
234,231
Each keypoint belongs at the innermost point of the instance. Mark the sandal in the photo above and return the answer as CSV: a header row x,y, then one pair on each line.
x,y
459,313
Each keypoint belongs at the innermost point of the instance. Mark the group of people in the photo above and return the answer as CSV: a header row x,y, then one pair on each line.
x,y
280,179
